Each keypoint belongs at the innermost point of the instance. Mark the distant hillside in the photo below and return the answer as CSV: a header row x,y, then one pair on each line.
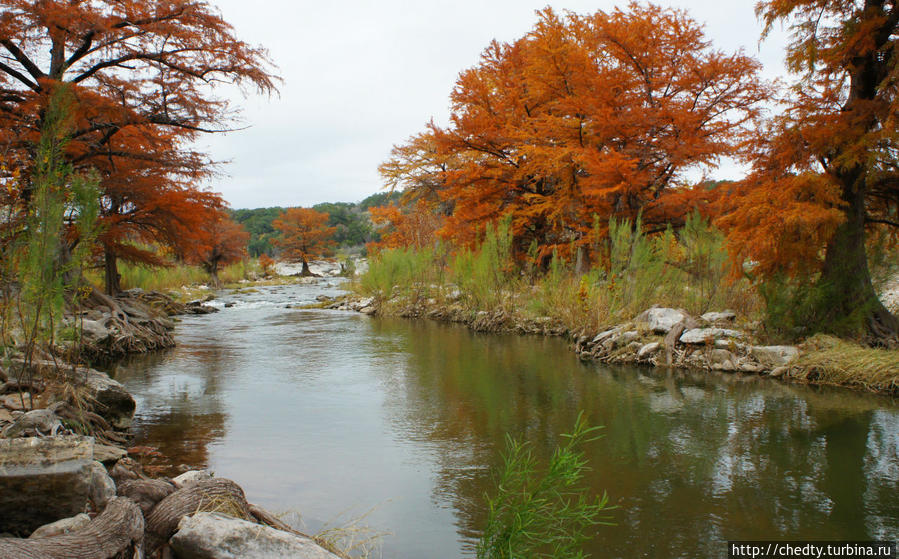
x,y
351,219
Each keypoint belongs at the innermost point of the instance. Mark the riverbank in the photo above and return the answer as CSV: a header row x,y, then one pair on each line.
x,y
666,337
71,485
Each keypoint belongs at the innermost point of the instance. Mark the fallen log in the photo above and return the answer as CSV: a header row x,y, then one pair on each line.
x,y
118,528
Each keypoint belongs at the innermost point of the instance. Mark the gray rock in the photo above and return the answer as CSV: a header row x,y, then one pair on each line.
x,y
774,356
102,486
207,535
721,360
36,423
648,350
660,320
191,477
779,372
626,338
61,527
93,331
367,310
603,336
713,317
14,401
703,335
108,454
749,366
43,480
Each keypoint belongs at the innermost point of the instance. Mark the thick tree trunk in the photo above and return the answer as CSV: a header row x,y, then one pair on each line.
x,y
111,267
119,528
848,297
306,272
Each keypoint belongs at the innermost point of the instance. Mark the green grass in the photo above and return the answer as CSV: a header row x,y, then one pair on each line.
x,y
158,278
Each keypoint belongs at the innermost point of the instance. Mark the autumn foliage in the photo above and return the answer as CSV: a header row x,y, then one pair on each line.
x,y
594,115
222,242
304,235
141,76
825,173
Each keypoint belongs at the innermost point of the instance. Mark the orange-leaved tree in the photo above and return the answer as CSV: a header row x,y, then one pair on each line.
x,y
224,242
414,225
587,115
142,75
304,235
826,172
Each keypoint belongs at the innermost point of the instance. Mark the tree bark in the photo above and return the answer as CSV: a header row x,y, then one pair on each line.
x,y
306,272
847,294
119,527
111,267
215,495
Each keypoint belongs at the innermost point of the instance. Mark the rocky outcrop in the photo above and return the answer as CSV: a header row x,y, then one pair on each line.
x,y
207,535
43,480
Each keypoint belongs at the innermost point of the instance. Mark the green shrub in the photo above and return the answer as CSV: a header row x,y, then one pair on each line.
x,y
546,514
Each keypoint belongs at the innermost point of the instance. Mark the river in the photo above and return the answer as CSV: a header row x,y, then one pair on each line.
x,y
333,415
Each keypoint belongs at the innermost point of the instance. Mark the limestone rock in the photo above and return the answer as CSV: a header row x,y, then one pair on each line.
x,y
93,331
603,336
721,360
108,454
61,527
626,338
713,317
36,423
660,320
774,356
648,350
191,477
43,480
208,535
703,335
14,401
102,486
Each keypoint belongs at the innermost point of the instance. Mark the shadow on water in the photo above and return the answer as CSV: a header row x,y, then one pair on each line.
x,y
326,412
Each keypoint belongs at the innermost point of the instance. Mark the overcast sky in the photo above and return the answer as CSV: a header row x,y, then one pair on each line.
x,y
360,77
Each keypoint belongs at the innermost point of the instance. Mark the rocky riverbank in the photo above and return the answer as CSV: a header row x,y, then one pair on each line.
x,y
68,485
658,337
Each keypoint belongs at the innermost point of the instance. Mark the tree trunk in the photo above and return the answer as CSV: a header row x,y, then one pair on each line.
x,y
120,527
847,300
111,266
306,272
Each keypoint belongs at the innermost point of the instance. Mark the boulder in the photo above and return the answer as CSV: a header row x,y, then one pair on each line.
x,y
660,320
773,356
626,338
191,477
108,454
721,360
93,331
207,535
36,423
61,527
43,480
102,486
713,317
704,335
110,399
648,350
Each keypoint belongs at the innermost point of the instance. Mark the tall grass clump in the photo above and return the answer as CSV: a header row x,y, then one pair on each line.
x,y
547,513
405,271
486,274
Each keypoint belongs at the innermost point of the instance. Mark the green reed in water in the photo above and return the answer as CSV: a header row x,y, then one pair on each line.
x,y
536,514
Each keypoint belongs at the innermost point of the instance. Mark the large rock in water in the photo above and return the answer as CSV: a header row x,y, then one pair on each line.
x,y
209,535
43,480
661,320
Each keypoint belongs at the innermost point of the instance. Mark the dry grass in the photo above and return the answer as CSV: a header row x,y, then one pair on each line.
x,y
829,360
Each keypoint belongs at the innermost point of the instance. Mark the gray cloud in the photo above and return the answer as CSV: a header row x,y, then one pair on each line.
x,y
362,76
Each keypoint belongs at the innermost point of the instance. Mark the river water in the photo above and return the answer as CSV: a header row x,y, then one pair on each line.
x,y
330,416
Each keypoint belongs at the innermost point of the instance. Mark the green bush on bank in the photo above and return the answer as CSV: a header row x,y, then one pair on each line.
x,y
687,269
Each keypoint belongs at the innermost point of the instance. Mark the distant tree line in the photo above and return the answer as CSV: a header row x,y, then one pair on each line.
x,y
350,220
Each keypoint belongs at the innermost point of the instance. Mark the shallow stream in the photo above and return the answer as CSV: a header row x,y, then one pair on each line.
x,y
335,414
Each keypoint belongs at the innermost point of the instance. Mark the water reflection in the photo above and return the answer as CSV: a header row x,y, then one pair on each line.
x,y
324,412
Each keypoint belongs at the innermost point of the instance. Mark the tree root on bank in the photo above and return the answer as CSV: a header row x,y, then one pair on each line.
x,y
215,495
117,530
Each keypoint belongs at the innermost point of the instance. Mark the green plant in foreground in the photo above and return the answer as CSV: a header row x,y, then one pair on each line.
x,y
543,514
